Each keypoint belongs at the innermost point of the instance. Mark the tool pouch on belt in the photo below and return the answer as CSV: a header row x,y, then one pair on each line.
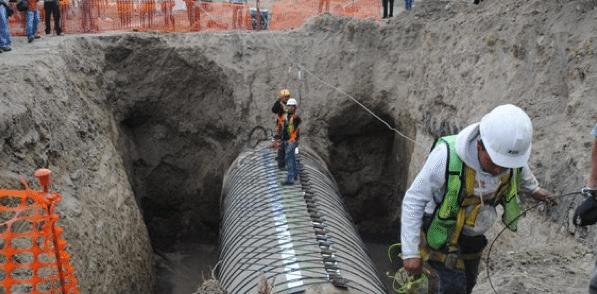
x,y
586,213
442,231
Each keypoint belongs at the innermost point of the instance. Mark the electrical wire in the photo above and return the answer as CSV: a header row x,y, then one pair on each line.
x,y
408,138
508,225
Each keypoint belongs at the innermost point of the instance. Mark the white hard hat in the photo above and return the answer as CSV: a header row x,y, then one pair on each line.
x,y
507,133
291,101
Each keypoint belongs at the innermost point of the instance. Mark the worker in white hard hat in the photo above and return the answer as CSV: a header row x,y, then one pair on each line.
x,y
290,138
452,201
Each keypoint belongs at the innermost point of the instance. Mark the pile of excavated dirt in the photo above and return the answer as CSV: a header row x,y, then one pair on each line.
x,y
139,128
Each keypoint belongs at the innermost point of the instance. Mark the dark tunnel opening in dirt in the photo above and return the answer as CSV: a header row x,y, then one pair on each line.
x,y
369,161
175,112
370,164
169,106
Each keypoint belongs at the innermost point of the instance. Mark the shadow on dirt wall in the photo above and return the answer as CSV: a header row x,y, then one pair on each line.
x,y
169,106
370,164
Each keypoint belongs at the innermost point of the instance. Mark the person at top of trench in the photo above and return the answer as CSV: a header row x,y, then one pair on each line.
x,y
32,21
279,109
290,138
5,39
453,199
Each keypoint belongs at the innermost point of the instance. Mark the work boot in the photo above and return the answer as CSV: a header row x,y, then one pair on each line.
x,y
287,183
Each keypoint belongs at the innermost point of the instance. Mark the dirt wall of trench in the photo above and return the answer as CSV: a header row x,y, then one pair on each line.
x,y
139,127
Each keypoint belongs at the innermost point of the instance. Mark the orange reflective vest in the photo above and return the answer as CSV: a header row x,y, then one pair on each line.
x,y
286,126
292,131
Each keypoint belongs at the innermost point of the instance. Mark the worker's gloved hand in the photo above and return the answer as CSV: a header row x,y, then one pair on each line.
x,y
589,192
545,196
413,266
586,213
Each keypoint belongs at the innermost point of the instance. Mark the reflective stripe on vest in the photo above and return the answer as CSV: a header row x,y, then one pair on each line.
x,y
450,215
291,130
280,125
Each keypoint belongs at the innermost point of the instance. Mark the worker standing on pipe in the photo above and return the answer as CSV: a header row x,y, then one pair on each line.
x,y
290,137
453,199
279,109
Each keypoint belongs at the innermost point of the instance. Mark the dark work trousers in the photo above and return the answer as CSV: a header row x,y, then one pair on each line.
x,y
52,8
386,8
282,154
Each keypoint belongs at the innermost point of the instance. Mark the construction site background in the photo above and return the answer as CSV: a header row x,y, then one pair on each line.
x,y
97,16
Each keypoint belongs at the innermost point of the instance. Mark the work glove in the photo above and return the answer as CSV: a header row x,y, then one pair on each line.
x,y
586,213
589,192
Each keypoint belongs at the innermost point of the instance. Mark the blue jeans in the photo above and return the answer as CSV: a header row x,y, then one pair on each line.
x,y
32,23
593,283
408,4
5,39
454,281
291,161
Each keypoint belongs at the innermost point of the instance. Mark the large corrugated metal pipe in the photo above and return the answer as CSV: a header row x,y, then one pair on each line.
x,y
299,237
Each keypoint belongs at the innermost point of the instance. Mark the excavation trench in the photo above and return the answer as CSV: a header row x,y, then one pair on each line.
x,y
179,133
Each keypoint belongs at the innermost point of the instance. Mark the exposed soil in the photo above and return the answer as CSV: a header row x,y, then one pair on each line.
x,y
139,128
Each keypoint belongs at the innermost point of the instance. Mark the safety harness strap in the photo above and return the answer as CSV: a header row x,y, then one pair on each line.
x,y
451,260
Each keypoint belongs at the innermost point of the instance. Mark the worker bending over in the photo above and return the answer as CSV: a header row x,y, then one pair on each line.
x,y
453,199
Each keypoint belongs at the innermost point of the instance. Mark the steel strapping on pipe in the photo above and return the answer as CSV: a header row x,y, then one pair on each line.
x,y
300,236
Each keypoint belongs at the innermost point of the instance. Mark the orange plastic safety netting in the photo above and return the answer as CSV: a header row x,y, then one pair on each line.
x,y
96,16
33,258
290,14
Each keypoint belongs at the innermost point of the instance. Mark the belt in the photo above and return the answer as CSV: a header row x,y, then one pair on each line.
x,y
452,260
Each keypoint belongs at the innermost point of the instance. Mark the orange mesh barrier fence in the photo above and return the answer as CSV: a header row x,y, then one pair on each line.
x,y
96,16
290,14
32,254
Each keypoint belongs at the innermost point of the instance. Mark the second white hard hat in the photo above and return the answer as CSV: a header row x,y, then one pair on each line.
x,y
291,101
507,133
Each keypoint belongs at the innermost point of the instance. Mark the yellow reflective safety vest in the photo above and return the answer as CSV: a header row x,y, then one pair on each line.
x,y
450,215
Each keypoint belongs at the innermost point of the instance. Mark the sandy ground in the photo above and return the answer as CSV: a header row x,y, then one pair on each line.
x,y
432,71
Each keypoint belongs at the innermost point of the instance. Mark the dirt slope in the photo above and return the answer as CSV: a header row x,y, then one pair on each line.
x,y
114,114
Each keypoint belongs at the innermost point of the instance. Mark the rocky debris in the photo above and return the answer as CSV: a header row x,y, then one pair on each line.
x,y
211,286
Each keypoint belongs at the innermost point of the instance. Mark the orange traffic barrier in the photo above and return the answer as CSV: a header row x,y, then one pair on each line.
x,y
33,258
